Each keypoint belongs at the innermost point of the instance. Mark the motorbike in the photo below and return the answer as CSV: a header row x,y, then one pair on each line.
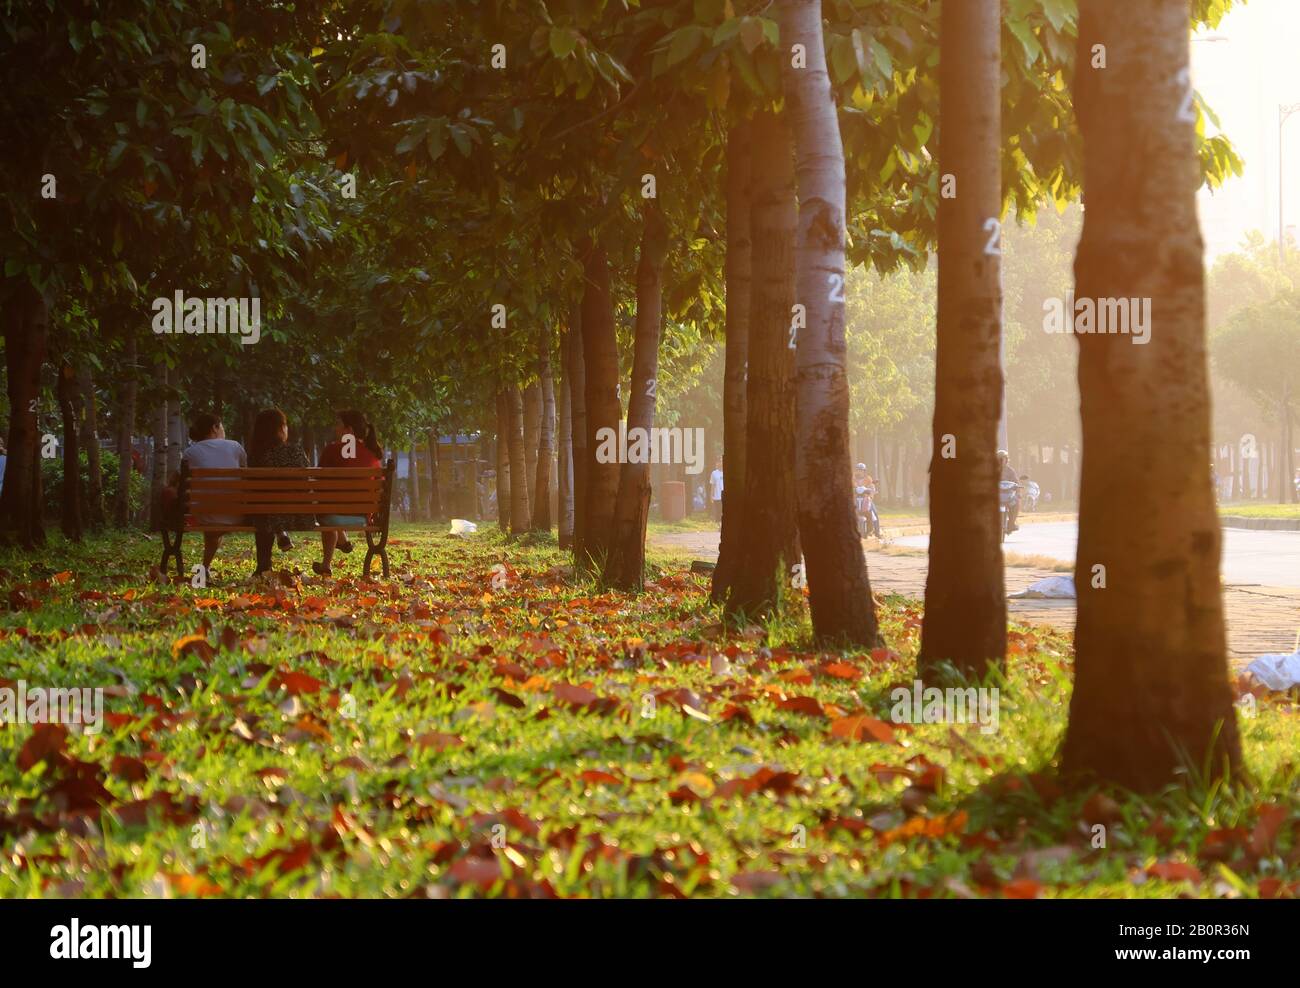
x,y
862,510
1008,492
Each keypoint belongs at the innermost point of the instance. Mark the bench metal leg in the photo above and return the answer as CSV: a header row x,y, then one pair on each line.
x,y
172,547
374,549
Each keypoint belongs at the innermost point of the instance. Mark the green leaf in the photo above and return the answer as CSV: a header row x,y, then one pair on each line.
x,y
1059,12
843,61
1025,35
685,41
884,61
563,41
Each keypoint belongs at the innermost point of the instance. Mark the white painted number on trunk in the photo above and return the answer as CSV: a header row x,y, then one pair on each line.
x,y
794,331
650,388
994,229
836,281
1186,109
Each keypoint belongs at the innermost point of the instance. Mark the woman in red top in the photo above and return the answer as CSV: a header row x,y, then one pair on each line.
x,y
356,445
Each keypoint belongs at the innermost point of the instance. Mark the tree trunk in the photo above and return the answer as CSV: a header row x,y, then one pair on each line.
x,y
20,503
1285,465
625,564
839,591
532,397
1151,692
965,617
565,521
158,462
577,388
175,423
603,410
67,394
436,512
769,549
127,389
88,416
545,467
736,359
503,461
519,507
414,474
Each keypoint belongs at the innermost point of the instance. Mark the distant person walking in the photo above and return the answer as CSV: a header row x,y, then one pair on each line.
x,y
715,490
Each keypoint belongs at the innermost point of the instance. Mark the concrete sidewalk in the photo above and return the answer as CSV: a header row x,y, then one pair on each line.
x,y
1260,619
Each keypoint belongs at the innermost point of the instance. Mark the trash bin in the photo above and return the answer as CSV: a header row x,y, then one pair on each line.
x,y
672,500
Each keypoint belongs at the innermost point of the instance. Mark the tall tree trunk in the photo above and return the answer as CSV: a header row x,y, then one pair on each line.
x,y
546,437
67,394
625,564
127,388
520,514
839,591
603,409
575,372
416,501
770,548
565,521
503,461
24,330
175,422
739,169
158,462
532,396
88,416
1151,674
436,512
1285,465
965,619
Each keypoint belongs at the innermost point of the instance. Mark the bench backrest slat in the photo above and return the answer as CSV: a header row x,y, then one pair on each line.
x,y
295,490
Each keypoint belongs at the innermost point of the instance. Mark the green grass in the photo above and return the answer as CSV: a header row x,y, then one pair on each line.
x,y
1253,509
436,735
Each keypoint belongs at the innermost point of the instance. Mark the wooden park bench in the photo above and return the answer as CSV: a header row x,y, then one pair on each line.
x,y
311,491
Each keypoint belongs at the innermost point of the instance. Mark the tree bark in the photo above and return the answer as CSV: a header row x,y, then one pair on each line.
x,y
415,479
565,521
20,502
602,406
577,388
436,512
127,389
545,467
519,507
67,394
88,427
532,398
1152,693
736,359
625,564
503,460
175,423
158,462
839,591
770,548
965,620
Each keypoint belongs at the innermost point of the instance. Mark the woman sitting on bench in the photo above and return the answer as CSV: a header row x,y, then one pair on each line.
x,y
355,445
271,448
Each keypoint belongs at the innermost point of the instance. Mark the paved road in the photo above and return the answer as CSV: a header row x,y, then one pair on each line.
x,y
1261,570
1270,558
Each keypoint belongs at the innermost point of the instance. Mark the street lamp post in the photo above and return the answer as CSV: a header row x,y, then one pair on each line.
x,y
1284,111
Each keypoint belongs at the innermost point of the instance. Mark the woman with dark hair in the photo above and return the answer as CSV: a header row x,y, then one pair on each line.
x,y
209,448
270,447
355,445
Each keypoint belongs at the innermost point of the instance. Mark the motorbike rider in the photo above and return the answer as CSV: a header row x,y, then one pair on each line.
x,y
1007,472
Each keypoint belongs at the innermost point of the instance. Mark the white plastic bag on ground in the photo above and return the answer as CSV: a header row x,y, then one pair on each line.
x,y
459,526
1277,672
1059,587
